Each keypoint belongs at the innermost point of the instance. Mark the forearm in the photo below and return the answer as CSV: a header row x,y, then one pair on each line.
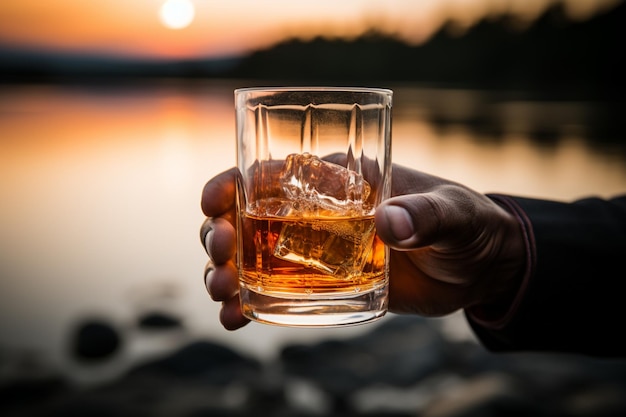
x,y
569,299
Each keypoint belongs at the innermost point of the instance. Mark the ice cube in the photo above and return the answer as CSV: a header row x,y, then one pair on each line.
x,y
334,247
327,229
315,184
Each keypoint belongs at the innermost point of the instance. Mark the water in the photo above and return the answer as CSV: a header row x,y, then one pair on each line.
x,y
100,189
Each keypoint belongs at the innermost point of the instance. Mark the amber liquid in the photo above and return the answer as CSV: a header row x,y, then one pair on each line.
x,y
295,256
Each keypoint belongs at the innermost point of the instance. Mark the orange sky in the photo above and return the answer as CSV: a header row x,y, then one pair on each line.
x,y
228,27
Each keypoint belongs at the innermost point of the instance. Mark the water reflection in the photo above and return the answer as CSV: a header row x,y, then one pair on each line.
x,y
494,141
101,186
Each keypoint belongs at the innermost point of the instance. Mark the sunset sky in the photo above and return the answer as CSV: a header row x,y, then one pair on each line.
x,y
212,28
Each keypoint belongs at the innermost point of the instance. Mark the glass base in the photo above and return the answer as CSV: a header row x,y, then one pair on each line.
x,y
315,311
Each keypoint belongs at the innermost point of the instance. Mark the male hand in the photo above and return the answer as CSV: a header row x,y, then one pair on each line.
x,y
451,247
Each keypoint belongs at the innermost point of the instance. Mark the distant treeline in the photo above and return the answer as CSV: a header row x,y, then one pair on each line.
x,y
553,52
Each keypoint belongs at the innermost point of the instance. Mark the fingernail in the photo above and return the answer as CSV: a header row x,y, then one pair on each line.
x,y
208,276
400,222
208,238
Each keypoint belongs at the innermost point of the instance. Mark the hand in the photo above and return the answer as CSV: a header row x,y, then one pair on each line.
x,y
219,238
451,247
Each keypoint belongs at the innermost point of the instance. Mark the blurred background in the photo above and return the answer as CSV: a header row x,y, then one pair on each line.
x,y
113,115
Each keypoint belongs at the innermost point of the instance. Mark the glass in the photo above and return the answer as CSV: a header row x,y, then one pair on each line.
x,y
314,163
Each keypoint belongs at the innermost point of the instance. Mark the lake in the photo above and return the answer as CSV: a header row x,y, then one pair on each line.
x,y
100,208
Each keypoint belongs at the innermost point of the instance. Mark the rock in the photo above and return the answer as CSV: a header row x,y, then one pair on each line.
x,y
403,366
485,395
23,395
95,340
399,352
211,362
159,321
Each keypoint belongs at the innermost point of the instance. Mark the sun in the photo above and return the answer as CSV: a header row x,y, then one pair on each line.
x,y
177,14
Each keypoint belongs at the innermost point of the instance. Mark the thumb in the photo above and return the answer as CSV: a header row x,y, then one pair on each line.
x,y
415,220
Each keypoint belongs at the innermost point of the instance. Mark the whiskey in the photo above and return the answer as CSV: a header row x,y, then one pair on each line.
x,y
295,255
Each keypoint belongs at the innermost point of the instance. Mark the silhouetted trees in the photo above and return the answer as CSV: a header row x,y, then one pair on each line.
x,y
552,52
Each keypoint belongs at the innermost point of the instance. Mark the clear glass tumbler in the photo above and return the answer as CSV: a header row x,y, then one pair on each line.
x,y
314,163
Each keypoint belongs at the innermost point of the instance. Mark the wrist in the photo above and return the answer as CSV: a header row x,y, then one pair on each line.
x,y
517,258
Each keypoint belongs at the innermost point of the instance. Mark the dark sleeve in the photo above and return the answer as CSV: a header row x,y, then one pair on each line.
x,y
572,298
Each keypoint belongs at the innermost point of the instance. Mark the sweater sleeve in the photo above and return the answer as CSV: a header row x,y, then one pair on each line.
x,y
570,299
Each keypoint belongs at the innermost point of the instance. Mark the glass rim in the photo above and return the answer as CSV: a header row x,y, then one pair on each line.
x,y
347,89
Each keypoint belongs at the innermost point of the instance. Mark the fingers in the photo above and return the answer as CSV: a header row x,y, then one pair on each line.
x,y
231,316
394,225
407,222
222,285
221,282
437,217
218,195
412,217
218,236
220,275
